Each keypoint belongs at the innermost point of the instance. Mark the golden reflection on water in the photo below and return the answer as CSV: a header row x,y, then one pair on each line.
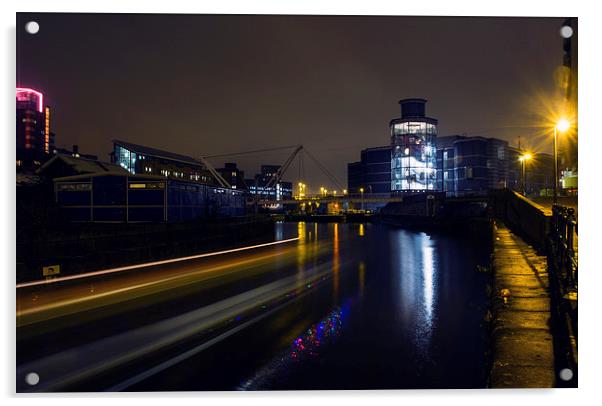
x,y
336,262
362,277
301,254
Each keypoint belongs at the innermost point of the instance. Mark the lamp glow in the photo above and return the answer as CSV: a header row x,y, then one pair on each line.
x,y
525,157
563,125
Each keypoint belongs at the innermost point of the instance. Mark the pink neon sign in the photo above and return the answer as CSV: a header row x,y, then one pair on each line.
x,y
28,91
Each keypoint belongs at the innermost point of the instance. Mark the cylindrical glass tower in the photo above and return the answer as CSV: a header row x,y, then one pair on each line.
x,y
413,158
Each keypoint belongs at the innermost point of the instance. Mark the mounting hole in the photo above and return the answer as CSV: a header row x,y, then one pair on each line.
x,y
566,374
566,32
32,27
32,378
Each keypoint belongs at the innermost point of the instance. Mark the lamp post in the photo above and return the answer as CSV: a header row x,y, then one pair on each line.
x,y
362,194
524,159
563,125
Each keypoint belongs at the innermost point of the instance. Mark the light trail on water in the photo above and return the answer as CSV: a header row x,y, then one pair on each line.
x,y
149,264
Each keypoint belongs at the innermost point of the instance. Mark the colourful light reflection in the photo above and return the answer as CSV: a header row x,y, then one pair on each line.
x,y
323,331
304,347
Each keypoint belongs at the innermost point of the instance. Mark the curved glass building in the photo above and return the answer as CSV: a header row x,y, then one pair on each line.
x,y
413,155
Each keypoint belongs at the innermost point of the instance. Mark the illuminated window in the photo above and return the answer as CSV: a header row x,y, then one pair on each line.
x,y
413,158
501,152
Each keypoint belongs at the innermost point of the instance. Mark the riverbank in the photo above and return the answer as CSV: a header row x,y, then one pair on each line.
x,y
85,247
331,218
521,340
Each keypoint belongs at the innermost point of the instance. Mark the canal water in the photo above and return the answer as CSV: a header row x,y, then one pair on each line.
x,y
397,309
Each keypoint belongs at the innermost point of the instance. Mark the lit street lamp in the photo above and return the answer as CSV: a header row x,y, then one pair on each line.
x,y
302,189
362,194
524,159
563,125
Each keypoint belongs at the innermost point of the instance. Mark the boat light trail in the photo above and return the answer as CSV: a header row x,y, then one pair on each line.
x,y
147,264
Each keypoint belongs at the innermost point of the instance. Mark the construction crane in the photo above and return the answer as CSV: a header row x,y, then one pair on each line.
x,y
276,177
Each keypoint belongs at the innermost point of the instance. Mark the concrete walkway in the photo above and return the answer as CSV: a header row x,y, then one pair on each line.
x,y
522,345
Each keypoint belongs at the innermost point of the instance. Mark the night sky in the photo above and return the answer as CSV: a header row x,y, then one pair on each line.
x,y
204,85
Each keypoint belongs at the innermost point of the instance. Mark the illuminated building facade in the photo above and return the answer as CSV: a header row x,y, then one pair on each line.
x,y
35,141
413,150
141,160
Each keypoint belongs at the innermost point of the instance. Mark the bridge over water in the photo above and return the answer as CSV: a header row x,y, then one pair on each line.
x,y
357,198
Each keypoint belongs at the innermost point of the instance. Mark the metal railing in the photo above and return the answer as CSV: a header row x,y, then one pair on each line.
x,y
563,231
563,272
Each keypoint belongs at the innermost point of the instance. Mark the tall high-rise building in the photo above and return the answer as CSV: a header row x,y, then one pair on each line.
x,y
35,141
413,159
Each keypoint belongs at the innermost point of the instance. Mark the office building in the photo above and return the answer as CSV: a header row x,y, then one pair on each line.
x,y
372,173
142,160
355,176
94,191
471,165
259,185
413,149
35,141
233,175
464,166
101,197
